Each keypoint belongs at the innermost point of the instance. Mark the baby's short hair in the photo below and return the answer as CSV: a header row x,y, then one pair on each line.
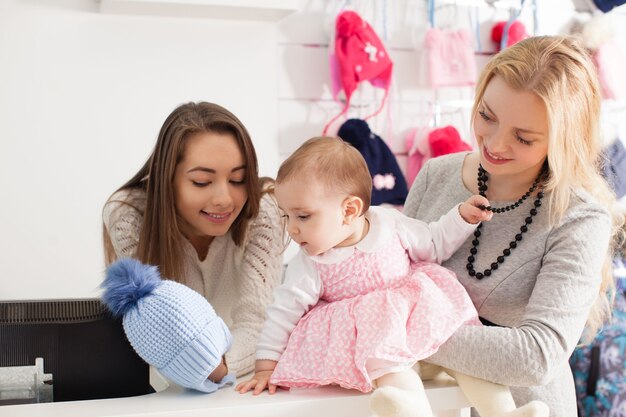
x,y
334,163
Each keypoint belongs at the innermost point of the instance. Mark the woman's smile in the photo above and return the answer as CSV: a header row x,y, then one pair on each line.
x,y
493,158
216,217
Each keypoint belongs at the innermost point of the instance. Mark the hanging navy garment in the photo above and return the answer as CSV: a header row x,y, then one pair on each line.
x,y
388,182
607,5
615,167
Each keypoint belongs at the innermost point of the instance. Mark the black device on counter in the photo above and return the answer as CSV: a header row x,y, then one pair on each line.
x,y
83,348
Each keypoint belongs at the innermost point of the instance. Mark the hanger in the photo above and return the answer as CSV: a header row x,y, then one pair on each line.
x,y
450,20
450,14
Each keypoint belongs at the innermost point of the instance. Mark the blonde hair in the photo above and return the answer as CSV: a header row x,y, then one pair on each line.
x,y
559,71
335,163
161,240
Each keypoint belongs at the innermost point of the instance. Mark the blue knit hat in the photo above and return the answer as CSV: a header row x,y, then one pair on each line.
x,y
171,327
388,182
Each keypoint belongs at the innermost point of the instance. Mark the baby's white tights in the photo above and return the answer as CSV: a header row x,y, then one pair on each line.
x,y
495,400
401,394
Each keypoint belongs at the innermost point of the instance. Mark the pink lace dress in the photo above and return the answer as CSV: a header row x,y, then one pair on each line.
x,y
374,307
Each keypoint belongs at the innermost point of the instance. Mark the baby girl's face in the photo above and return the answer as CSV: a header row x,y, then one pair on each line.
x,y
314,215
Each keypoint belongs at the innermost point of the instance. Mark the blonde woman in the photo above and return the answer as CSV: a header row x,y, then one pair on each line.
x,y
197,210
539,270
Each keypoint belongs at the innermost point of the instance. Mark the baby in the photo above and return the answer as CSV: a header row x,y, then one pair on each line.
x,y
365,298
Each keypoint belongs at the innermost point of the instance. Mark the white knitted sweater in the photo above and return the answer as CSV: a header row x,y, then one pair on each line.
x,y
237,281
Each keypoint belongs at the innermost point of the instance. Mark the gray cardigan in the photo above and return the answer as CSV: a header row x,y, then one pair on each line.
x,y
541,295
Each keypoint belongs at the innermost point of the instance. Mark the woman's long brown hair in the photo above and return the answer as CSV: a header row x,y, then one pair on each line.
x,y
161,240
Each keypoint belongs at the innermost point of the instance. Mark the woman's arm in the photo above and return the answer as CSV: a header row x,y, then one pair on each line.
x,y
261,273
565,290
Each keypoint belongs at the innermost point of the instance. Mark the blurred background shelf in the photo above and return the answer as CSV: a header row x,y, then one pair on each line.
x,y
262,10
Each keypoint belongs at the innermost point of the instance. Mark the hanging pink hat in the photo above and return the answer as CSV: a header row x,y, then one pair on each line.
x,y
517,32
359,56
446,140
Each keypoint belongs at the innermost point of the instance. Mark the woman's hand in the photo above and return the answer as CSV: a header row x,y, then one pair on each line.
x,y
219,373
473,210
261,379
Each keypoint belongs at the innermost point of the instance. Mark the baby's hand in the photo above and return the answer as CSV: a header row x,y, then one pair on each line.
x,y
473,209
258,382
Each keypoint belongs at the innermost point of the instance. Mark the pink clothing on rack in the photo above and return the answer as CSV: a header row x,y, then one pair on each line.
x,y
424,143
418,152
610,62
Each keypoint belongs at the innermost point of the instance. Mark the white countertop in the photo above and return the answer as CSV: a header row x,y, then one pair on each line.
x,y
445,397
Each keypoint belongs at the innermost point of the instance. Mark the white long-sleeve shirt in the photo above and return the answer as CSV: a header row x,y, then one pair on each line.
x,y
302,287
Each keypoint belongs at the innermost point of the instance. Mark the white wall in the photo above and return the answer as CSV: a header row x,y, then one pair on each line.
x,y
83,94
82,97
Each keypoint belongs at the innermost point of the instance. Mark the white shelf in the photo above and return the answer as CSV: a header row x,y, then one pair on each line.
x,y
445,397
263,10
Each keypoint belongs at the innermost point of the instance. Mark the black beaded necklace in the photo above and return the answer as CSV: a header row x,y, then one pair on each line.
x,y
482,190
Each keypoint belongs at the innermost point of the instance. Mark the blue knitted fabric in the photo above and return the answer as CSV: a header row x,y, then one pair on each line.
x,y
388,182
614,169
171,327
